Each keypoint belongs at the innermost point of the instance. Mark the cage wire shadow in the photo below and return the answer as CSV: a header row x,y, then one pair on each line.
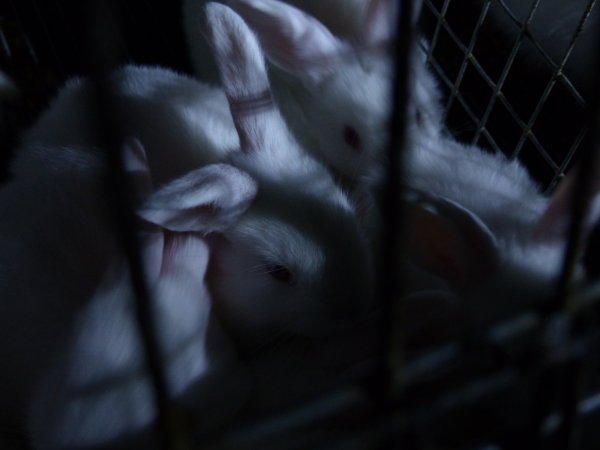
x,y
512,364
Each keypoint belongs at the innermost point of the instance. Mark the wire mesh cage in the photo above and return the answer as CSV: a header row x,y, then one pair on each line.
x,y
528,381
520,98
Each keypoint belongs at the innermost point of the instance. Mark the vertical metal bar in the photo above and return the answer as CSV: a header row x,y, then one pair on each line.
x,y
589,160
388,283
104,35
585,184
567,435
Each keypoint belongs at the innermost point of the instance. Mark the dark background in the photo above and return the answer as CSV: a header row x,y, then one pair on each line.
x,y
42,43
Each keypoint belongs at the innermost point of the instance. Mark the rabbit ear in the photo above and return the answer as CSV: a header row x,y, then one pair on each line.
x,y
552,224
208,199
269,147
378,25
239,57
378,29
447,240
243,75
291,39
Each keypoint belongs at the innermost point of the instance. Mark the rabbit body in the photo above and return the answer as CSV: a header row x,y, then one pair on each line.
x,y
287,250
182,123
47,239
348,87
499,190
167,111
75,370
345,88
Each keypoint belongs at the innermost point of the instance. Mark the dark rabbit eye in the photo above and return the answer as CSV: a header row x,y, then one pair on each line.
x,y
281,273
352,138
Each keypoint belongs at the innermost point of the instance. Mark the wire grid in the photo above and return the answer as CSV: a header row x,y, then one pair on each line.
x,y
546,158
468,393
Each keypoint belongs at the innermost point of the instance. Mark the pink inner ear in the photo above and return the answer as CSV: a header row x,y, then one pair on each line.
x,y
184,251
378,25
292,39
449,241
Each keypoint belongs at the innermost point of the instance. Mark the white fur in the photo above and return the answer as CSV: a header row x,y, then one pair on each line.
x,y
99,390
319,101
498,190
75,367
299,221
182,123
331,73
491,276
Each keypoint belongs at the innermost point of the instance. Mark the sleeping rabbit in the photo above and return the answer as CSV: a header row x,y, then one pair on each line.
x,y
287,251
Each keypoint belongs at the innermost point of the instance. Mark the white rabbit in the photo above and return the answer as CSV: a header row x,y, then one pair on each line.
x,y
499,190
491,278
94,388
184,124
333,91
294,252
167,112
495,190
296,261
502,258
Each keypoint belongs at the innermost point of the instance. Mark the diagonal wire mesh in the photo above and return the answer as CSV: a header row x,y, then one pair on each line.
x,y
444,15
442,392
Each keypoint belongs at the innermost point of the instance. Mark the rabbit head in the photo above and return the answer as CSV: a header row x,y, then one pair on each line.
x,y
335,91
297,259
289,229
495,276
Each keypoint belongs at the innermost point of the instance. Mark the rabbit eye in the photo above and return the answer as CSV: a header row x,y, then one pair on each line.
x,y
281,273
352,138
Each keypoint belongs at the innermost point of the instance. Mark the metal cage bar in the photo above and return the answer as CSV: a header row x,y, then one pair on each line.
x,y
444,379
